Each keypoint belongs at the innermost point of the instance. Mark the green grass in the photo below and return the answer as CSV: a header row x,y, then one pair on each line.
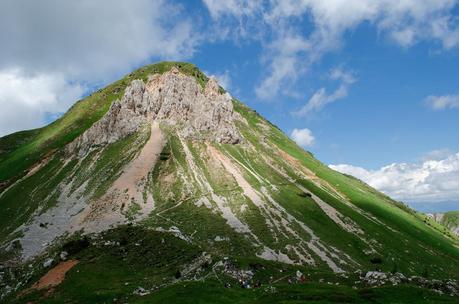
x,y
451,219
19,151
404,239
139,257
415,244
42,189
212,292
143,257
18,203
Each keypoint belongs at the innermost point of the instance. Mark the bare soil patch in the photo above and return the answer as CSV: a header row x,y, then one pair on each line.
x,y
55,276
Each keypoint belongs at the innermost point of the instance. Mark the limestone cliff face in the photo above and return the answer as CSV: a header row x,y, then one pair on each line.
x,y
449,219
173,99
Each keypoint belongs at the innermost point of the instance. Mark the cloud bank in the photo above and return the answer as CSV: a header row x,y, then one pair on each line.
x,y
53,49
432,180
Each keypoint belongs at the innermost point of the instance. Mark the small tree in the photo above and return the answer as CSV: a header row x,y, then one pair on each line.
x,y
178,274
376,260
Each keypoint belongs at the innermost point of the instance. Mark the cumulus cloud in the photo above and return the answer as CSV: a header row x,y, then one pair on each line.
x,y
406,22
26,100
432,180
443,102
91,39
321,97
283,61
83,43
303,137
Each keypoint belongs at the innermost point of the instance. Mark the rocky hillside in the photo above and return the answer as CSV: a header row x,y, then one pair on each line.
x,y
448,219
164,172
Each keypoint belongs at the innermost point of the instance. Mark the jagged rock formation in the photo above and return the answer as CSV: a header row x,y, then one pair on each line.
x,y
448,219
172,98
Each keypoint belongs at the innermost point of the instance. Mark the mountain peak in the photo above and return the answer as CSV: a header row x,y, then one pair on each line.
x,y
174,99
159,150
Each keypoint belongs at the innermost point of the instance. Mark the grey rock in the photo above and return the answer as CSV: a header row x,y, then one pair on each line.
x,y
63,255
375,278
377,275
173,99
48,262
140,291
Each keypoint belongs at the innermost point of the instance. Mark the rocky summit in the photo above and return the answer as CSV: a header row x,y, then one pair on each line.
x,y
171,98
162,187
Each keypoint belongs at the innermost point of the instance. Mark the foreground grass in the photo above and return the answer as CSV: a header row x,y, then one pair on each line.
x,y
120,261
213,292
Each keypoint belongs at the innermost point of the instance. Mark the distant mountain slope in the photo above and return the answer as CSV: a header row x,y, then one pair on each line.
x,y
168,150
448,219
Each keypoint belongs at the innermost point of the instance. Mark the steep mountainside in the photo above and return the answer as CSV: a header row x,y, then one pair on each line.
x,y
199,179
448,219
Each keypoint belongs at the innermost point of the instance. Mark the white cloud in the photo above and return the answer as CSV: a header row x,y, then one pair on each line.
x,y
302,137
406,22
224,79
437,154
25,100
282,72
321,97
84,42
284,65
89,39
443,102
234,19
239,8
432,180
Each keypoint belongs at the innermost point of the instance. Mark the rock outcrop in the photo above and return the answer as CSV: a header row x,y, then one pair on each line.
x,y
173,99
448,219
376,278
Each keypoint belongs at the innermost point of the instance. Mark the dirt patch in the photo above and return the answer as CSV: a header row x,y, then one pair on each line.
x,y
297,164
55,276
37,166
311,175
138,169
128,189
169,179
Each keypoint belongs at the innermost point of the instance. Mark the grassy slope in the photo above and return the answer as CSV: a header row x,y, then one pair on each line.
x,y
413,242
451,219
415,247
148,259
131,257
40,191
19,151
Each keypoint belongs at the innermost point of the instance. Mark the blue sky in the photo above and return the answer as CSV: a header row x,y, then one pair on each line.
x,y
377,80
